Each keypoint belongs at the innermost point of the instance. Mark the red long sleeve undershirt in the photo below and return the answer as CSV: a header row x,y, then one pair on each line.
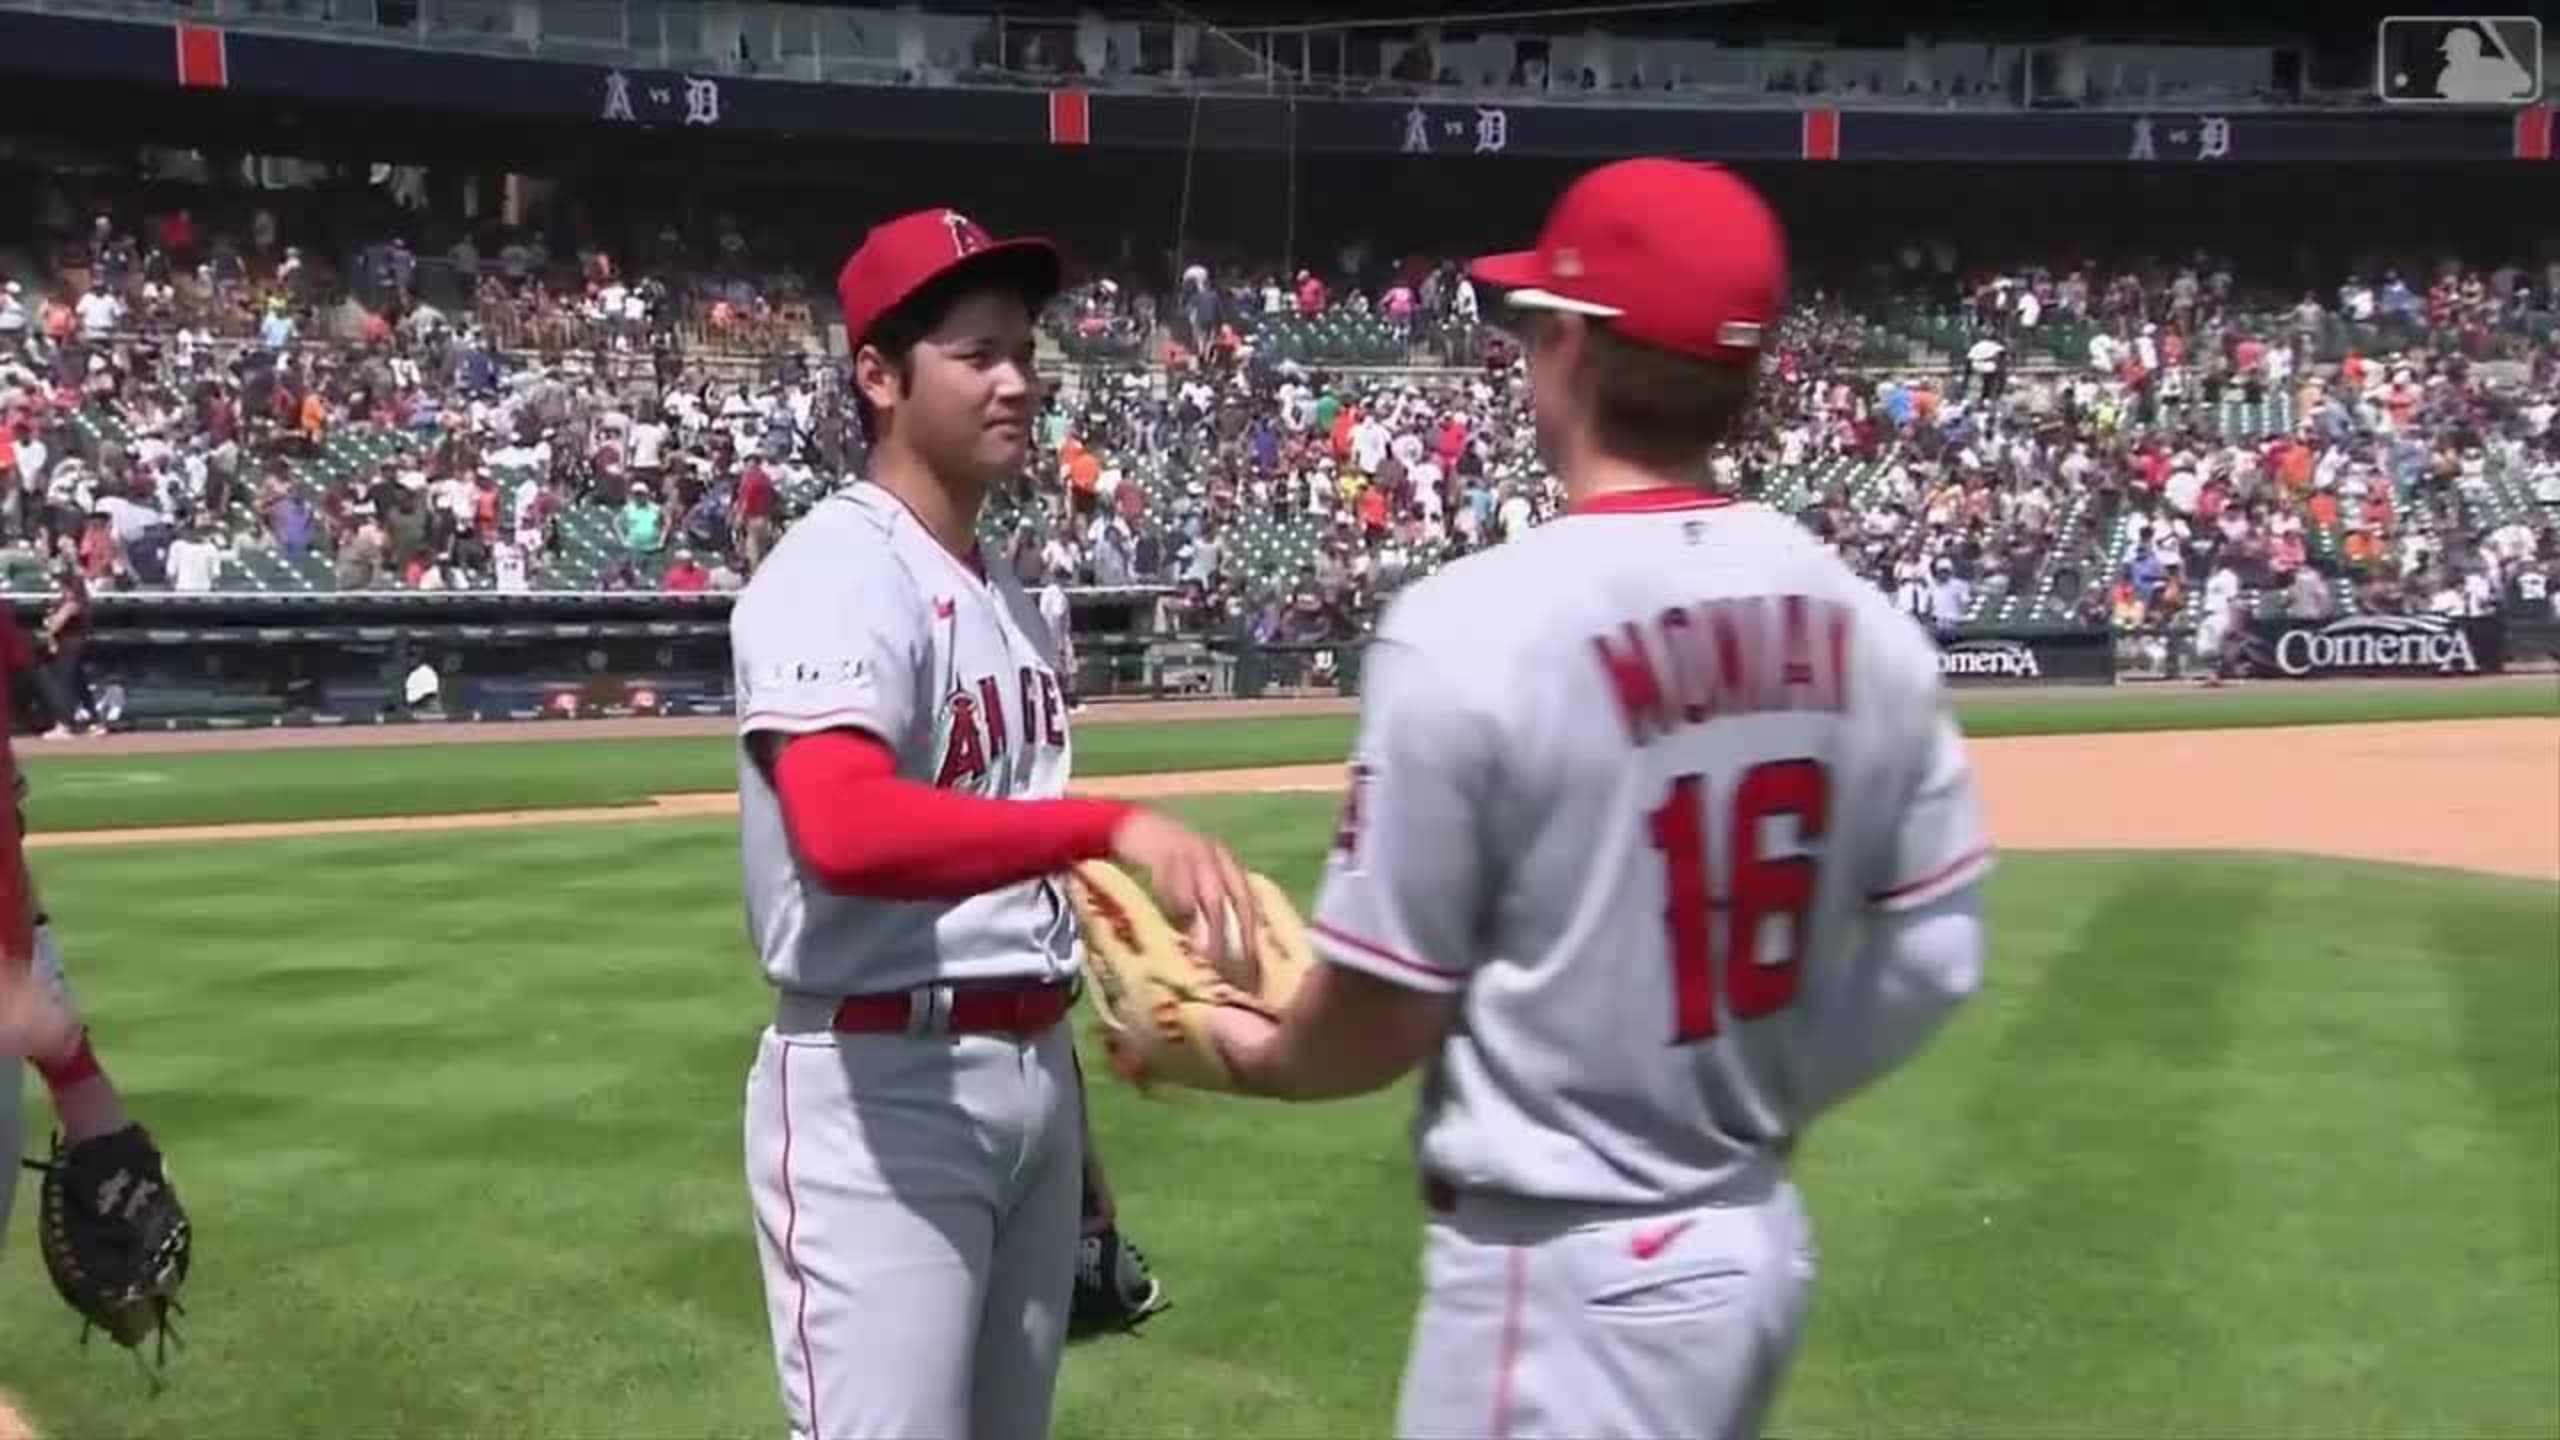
x,y
863,831
17,905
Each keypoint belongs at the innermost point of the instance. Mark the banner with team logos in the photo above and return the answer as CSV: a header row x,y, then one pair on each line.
x,y
2375,645
353,61
2042,657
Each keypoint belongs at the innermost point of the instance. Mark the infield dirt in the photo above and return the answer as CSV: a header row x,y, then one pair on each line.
x,y
2479,795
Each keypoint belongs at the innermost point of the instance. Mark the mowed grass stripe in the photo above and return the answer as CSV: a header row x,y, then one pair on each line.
x,y
2078,1162
2343,1047
2507,1032
507,1157
1862,1164
2370,1175
75,792
473,1168
97,791
2506,1023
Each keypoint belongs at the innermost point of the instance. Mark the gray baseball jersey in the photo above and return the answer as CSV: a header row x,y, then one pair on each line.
x,y
1629,782
860,620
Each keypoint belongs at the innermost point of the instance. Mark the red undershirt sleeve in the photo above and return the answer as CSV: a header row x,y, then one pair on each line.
x,y
862,830
17,908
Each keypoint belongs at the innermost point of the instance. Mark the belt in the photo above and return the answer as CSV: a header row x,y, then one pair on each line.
x,y
1749,1185
1020,1008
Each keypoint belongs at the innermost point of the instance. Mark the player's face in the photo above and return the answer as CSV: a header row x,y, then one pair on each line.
x,y
972,391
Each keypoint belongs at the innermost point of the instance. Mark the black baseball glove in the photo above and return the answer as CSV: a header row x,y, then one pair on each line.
x,y
115,1239
1115,1292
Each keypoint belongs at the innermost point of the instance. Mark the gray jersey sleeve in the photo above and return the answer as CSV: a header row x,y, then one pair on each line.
x,y
1405,886
1937,844
1912,972
834,645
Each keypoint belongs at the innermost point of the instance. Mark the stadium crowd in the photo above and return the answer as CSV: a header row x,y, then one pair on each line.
x,y
198,400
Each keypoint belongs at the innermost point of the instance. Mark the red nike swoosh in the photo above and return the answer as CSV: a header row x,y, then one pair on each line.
x,y
1653,1242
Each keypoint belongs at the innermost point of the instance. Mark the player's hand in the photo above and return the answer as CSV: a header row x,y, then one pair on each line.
x,y
1200,886
33,1024
1241,1036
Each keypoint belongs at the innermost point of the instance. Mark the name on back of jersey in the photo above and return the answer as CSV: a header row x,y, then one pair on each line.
x,y
1724,658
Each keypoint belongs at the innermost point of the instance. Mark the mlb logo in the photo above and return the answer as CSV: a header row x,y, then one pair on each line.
x,y
2478,60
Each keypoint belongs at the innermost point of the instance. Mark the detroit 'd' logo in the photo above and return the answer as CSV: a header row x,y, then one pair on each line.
x,y
978,733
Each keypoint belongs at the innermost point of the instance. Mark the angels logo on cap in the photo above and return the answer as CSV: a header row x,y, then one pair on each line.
x,y
900,257
1673,254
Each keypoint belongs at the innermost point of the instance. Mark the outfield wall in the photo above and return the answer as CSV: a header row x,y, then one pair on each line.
x,y
211,662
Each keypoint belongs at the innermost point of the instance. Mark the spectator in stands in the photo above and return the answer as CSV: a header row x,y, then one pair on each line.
x,y
195,559
1054,613
101,312
684,575
360,559
432,571
644,521
2185,442
2307,595
1950,597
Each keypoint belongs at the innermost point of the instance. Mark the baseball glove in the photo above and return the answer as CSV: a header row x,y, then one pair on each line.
x,y
1153,992
116,1241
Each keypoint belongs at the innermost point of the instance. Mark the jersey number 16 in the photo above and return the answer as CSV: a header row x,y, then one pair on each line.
x,y
1756,889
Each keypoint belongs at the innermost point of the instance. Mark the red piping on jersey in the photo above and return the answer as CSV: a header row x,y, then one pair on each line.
x,y
1507,1360
790,1256
863,831
1960,863
1376,951
1651,500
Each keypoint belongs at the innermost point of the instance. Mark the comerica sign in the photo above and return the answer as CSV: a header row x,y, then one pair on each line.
x,y
2378,645
1989,660
2028,658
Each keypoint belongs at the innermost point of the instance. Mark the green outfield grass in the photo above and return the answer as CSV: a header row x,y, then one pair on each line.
x,y
2228,1146
77,792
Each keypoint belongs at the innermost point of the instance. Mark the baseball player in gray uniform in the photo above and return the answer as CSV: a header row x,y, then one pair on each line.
x,y
914,1117
1660,842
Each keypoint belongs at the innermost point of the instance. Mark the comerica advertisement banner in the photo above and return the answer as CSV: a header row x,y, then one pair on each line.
x,y
2028,658
2371,645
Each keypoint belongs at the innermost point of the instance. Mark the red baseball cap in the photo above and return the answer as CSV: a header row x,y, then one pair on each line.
x,y
1678,255
902,256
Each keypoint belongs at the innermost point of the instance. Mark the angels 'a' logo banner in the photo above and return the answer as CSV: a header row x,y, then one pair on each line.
x,y
1346,829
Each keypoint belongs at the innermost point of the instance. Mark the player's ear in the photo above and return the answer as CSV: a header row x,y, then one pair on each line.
x,y
879,377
